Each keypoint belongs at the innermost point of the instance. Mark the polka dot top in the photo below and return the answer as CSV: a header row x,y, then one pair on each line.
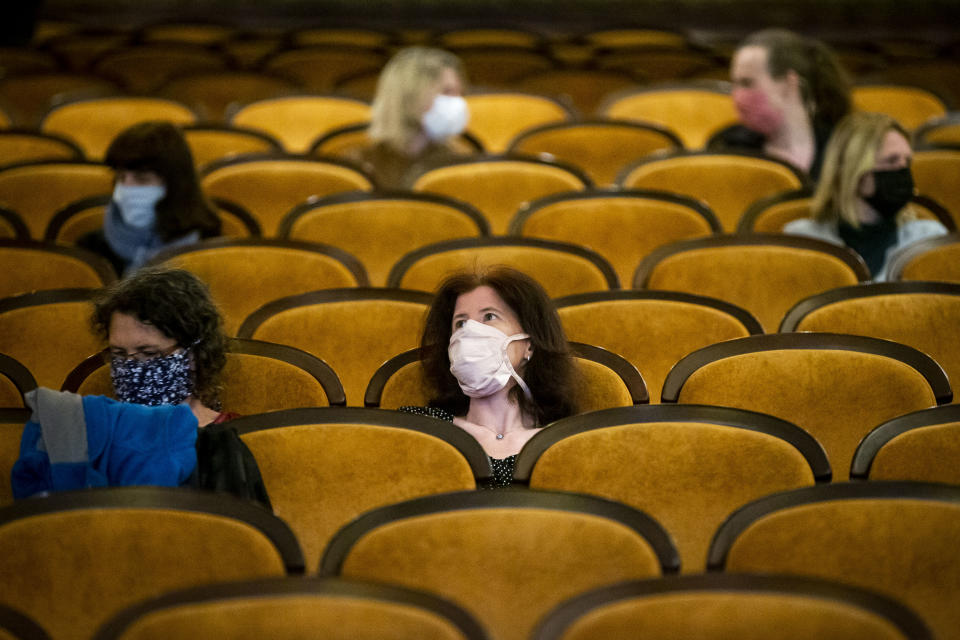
x,y
502,467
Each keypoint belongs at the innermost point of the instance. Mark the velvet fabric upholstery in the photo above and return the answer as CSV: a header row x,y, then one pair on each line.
x,y
81,222
94,123
15,381
926,321
910,106
49,338
322,476
766,280
214,94
498,67
584,88
12,226
269,187
28,96
835,395
689,476
318,68
517,181
37,191
623,228
497,118
929,454
406,387
29,268
728,183
600,387
901,547
653,334
935,174
600,148
266,270
379,230
11,430
297,121
354,337
10,395
73,583
939,262
769,215
721,613
693,113
208,144
560,272
21,146
141,69
501,564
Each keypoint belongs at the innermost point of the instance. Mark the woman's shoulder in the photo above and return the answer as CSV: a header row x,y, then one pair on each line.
x,y
430,412
919,229
813,229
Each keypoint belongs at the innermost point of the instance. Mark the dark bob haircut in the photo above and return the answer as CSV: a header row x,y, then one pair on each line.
x,y
160,147
179,305
550,372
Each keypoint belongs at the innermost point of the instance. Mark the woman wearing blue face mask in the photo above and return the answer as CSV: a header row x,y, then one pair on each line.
x,y
157,201
862,200
496,359
417,110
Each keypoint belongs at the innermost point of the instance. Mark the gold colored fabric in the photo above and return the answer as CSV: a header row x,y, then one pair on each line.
x,y
142,69
585,88
354,337
93,124
652,334
268,189
97,383
731,616
765,280
515,184
559,272
255,384
688,476
935,173
727,183
73,583
36,192
506,566
774,217
320,477
693,114
294,617
297,122
925,321
318,70
49,339
26,147
905,549
9,394
208,145
600,387
910,106
927,454
80,224
214,94
600,150
838,396
10,435
25,270
242,279
622,230
380,232
406,387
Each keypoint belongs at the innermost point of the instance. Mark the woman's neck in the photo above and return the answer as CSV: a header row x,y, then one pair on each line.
x,y
795,141
204,414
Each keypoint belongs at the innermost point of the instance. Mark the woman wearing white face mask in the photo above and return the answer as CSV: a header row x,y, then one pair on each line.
x,y
497,362
418,108
790,91
157,201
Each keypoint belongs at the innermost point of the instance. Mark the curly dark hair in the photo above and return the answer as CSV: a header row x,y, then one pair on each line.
x,y
550,372
824,84
179,305
159,146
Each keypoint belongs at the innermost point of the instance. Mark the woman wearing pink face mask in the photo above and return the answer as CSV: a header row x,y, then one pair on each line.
x,y
790,92
417,110
496,359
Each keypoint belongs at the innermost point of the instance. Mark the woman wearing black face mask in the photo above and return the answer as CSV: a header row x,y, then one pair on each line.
x,y
864,191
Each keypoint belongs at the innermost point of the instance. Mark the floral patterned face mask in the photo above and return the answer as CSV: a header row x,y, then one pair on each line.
x,y
153,382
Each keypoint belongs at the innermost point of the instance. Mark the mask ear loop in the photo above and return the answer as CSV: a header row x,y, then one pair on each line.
x,y
513,372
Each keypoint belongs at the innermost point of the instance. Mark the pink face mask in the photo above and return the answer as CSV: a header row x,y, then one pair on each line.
x,y
756,112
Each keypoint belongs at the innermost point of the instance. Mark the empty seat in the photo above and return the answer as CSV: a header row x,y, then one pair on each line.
x,y
908,105
931,259
296,121
12,421
935,171
209,143
30,95
318,67
497,117
33,266
18,146
141,69
214,95
584,89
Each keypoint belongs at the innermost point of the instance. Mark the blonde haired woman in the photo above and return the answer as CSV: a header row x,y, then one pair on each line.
x,y
862,199
417,109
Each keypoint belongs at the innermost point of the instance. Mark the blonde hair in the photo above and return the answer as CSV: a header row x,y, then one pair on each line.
x,y
850,154
401,89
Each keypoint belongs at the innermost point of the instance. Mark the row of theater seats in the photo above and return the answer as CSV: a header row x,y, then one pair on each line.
x,y
615,496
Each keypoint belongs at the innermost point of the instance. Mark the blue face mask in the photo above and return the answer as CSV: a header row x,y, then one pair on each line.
x,y
138,203
153,382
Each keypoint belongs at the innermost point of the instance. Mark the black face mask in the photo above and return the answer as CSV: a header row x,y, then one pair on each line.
x,y
892,191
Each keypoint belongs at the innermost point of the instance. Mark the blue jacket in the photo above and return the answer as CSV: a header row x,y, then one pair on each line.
x,y
73,442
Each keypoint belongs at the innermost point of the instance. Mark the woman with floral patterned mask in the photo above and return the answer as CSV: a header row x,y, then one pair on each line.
x,y
790,92
496,361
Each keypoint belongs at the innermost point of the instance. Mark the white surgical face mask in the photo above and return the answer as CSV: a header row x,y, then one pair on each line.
x,y
479,360
447,116
138,203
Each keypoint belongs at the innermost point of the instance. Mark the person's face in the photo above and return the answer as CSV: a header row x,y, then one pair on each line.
x,y
485,305
448,84
130,338
752,82
893,153
131,178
